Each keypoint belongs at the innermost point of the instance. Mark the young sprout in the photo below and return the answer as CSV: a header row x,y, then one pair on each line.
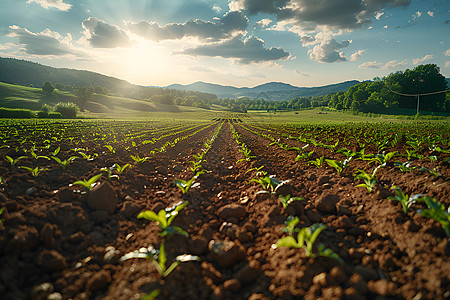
x,y
152,295
382,159
404,167
305,240
54,153
437,212
88,184
304,155
36,171
159,258
110,148
431,171
369,179
165,217
35,156
318,162
269,182
404,199
1,211
184,185
14,161
339,166
138,160
109,172
64,163
88,157
290,223
286,200
123,168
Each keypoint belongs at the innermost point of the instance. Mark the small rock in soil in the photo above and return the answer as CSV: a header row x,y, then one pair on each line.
x,y
98,216
42,291
103,197
226,253
100,280
256,296
211,272
381,287
327,204
198,245
249,272
52,260
320,279
358,282
111,255
232,210
352,294
323,179
367,273
65,195
161,170
130,209
47,234
233,285
55,296
25,238
160,194
230,229
178,168
261,196
32,190
313,216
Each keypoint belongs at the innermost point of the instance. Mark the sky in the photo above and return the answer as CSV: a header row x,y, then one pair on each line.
x,y
230,42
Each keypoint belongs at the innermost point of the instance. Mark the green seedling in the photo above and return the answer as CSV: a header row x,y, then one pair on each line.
x,y
87,157
88,184
286,200
138,160
64,163
339,166
382,159
123,168
185,185
317,162
1,211
35,156
36,171
165,217
369,179
431,171
12,161
269,182
304,155
109,173
437,212
404,167
290,223
405,200
159,259
305,240
110,148
54,153
152,295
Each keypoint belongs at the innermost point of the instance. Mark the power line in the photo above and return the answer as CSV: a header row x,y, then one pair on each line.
x,y
418,95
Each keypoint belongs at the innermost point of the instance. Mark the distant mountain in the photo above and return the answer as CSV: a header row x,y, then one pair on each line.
x,y
270,91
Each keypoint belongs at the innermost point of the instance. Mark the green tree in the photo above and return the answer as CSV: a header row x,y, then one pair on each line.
x,y
48,88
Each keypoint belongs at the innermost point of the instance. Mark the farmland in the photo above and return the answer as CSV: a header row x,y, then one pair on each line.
x,y
230,207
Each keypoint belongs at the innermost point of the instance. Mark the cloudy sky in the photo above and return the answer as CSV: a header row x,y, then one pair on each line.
x,y
229,42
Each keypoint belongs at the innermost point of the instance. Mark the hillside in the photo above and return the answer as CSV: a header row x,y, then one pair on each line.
x,y
15,71
269,91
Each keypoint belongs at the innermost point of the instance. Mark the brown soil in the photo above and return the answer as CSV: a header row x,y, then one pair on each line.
x,y
54,243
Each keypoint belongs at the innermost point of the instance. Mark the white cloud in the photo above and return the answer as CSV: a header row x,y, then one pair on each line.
x,y
58,4
102,35
217,8
430,13
447,52
302,73
357,55
393,64
417,15
447,64
250,50
229,25
417,61
264,22
46,42
385,26
327,51
378,15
